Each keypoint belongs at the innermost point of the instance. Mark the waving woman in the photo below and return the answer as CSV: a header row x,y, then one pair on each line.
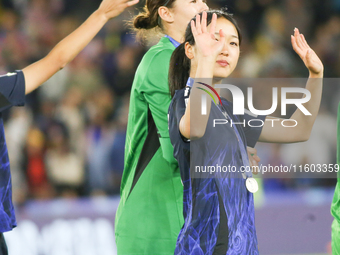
x,y
219,209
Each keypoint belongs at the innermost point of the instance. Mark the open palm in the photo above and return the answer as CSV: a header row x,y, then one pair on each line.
x,y
205,41
308,56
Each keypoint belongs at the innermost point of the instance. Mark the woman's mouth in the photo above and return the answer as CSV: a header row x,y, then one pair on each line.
x,y
223,63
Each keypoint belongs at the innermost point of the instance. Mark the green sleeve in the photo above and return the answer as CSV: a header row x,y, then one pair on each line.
x,y
155,90
338,141
335,208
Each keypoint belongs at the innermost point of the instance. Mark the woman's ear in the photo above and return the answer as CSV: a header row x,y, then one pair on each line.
x,y
189,50
165,14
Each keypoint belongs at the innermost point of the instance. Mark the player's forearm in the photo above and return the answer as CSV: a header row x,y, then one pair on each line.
x,y
69,47
306,122
66,50
198,122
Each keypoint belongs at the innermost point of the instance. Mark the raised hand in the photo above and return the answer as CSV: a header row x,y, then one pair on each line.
x,y
40,71
308,56
112,8
205,41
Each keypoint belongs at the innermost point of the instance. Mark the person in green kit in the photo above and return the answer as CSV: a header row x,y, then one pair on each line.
x,y
150,213
335,208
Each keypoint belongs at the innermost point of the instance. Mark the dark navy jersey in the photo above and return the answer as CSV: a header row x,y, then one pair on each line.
x,y
12,93
218,209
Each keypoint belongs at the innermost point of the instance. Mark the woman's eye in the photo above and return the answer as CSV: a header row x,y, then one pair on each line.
x,y
234,43
193,1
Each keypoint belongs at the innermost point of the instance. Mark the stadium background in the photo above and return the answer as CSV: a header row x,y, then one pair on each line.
x,y
66,146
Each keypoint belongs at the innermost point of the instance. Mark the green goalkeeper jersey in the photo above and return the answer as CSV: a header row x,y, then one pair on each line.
x,y
150,213
335,208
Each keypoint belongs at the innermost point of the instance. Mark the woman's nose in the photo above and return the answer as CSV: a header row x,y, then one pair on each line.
x,y
204,7
225,51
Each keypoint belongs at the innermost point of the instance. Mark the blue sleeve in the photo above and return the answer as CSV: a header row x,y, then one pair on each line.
x,y
12,90
176,111
253,131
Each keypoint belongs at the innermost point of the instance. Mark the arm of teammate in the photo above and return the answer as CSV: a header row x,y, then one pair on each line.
x,y
303,129
193,124
40,71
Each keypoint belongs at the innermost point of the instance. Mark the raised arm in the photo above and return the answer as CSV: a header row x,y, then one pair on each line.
x,y
40,71
193,123
302,131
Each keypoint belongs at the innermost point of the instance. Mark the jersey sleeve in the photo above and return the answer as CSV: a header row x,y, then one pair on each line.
x,y
155,90
176,111
253,127
12,90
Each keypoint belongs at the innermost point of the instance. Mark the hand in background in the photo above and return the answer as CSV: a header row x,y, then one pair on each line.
x,y
112,8
308,56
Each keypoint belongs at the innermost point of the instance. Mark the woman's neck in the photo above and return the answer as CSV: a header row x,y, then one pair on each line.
x,y
176,35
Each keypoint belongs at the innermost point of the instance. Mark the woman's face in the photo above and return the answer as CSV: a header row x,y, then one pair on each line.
x,y
227,60
184,10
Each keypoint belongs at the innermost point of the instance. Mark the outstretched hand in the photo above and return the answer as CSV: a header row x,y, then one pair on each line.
x,y
205,41
112,8
308,56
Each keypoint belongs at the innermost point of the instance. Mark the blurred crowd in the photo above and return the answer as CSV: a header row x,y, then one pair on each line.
x,y
69,139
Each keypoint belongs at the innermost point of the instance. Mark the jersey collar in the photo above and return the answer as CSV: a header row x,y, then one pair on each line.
x,y
190,82
173,41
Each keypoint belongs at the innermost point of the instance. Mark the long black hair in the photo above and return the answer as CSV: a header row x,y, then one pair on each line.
x,y
180,64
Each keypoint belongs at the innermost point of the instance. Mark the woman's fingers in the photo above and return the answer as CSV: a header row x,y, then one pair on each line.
x,y
193,28
133,2
198,24
213,24
222,37
295,46
298,44
298,38
204,22
257,158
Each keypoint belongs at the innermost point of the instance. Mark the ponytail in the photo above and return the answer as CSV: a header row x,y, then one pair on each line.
x,y
148,20
179,69
145,20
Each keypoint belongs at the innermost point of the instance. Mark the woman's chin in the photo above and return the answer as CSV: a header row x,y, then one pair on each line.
x,y
221,75
222,72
